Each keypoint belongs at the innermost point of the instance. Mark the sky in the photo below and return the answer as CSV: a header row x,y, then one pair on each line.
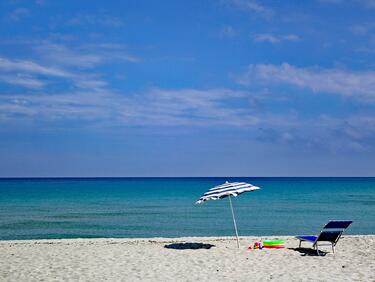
x,y
187,88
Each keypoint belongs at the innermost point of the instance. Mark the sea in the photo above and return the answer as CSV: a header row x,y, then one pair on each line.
x,y
46,208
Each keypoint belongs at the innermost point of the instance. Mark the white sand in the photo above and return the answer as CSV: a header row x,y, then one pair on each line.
x,y
149,260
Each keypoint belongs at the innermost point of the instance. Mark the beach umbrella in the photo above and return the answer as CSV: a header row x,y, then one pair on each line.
x,y
228,189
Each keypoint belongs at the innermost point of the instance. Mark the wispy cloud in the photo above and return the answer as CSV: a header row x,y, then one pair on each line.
x,y
22,80
330,1
365,3
363,28
59,54
368,3
161,107
34,75
194,106
95,20
219,107
253,6
90,83
338,81
56,61
29,66
85,55
352,133
227,31
18,14
273,38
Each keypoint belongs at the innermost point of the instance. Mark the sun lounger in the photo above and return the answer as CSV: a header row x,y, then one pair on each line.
x,y
331,233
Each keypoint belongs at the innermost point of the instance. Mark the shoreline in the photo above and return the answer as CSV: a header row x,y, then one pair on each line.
x,y
171,239
184,259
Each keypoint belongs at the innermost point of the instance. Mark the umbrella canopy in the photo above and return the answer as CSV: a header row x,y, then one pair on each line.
x,y
227,190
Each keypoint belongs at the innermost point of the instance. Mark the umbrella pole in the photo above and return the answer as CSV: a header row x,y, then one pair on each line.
x,y
234,221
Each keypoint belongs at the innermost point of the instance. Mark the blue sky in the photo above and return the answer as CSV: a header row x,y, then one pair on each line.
x,y
187,88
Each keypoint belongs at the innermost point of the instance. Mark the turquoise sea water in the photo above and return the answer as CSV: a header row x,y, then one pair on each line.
x,y
165,207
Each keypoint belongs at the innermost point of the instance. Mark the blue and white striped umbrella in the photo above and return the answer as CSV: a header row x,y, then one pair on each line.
x,y
227,190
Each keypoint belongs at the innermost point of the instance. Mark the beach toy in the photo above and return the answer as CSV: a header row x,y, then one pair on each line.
x,y
274,244
258,245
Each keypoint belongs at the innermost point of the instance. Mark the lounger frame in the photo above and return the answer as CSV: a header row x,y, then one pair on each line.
x,y
331,233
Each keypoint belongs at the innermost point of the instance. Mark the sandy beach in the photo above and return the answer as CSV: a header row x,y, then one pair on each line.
x,y
183,259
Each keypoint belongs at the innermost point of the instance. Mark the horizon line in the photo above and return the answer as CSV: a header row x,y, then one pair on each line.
x,y
125,177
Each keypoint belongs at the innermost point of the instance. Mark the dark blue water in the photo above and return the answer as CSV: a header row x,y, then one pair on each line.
x,y
165,207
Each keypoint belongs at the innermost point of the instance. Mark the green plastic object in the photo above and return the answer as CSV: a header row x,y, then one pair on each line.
x,y
273,242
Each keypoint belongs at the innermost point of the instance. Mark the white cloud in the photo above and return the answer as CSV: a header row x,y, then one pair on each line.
x,y
95,20
267,38
330,1
291,37
272,38
155,107
363,28
354,133
194,108
18,14
9,65
84,56
90,83
59,54
338,81
252,6
29,74
58,62
22,80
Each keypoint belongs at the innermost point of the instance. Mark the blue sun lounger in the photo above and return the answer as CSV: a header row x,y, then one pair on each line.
x,y
331,233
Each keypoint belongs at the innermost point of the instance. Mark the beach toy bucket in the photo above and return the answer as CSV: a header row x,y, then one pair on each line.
x,y
274,244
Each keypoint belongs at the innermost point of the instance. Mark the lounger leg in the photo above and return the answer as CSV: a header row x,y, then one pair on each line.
x,y
333,248
317,250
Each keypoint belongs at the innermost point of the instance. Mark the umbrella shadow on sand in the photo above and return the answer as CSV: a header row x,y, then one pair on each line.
x,y
188,246
308,252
